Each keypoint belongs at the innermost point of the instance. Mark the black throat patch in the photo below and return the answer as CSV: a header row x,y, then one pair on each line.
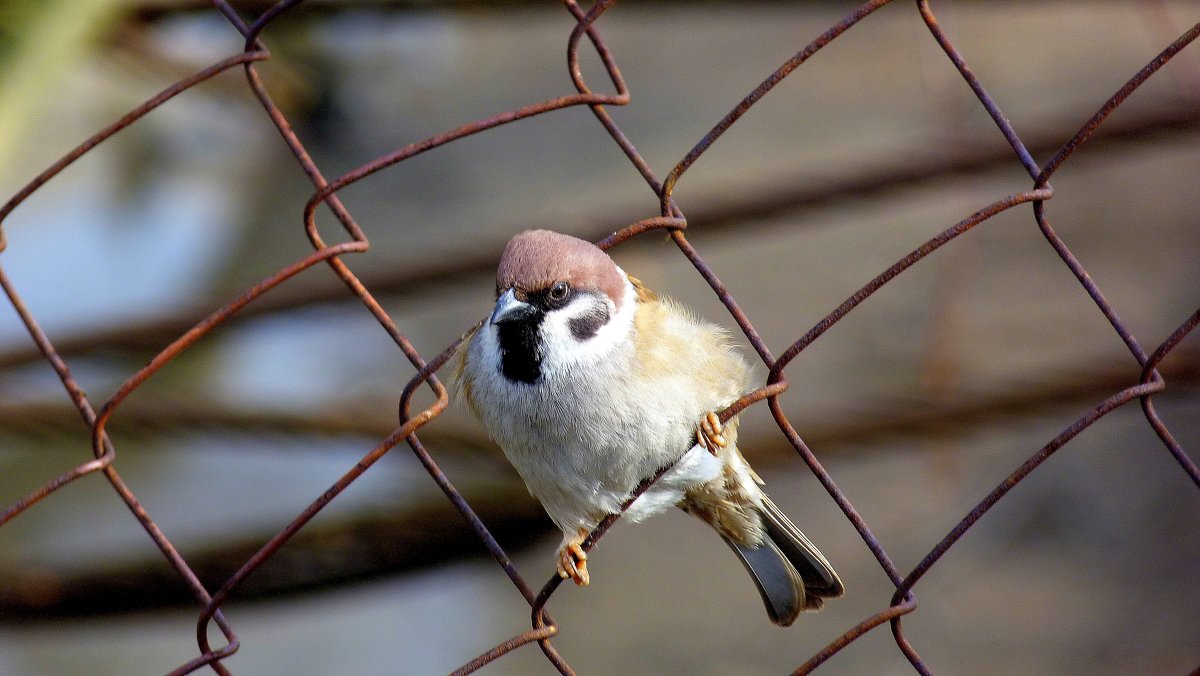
x,y
521,349
521,339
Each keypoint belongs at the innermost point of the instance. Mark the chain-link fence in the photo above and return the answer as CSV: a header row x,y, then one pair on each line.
x,y
670,218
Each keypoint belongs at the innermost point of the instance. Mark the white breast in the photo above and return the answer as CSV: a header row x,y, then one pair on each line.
x,y
589,430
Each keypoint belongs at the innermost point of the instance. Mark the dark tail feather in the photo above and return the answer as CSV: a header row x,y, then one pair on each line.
x,y
791,574
820,580
777,581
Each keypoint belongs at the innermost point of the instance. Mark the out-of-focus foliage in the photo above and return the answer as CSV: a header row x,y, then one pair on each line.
x,y
40,40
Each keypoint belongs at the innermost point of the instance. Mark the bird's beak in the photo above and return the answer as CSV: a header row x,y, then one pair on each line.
x,y
509,309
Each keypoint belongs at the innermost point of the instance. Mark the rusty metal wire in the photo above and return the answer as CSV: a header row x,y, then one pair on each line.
x,y
673,221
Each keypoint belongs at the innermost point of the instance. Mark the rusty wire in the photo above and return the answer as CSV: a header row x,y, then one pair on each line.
x,y
671,220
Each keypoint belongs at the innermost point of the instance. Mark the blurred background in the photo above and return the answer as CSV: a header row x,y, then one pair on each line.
x,y
918,403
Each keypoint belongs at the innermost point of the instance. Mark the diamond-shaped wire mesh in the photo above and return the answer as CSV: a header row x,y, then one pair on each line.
x,y
670,218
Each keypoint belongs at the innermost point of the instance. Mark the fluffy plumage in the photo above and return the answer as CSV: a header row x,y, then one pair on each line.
x,y
590,383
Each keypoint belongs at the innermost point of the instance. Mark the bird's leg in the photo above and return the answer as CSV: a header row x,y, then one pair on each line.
x,y
572,560
709,433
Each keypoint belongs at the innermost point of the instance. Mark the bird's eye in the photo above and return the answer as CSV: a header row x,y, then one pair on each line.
x,y
559,291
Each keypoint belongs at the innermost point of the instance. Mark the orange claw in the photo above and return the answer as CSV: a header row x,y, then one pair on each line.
x,y
572,560
709,433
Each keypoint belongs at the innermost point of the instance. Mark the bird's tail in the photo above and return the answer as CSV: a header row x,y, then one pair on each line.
x,y
790,572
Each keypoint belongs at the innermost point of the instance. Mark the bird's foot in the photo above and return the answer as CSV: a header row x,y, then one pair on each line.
x,y
710,434
572,560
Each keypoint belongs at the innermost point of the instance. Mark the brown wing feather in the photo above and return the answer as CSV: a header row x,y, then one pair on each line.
x,y
459,375
644,294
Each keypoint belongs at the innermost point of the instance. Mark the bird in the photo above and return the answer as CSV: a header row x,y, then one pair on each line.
x,y
590,383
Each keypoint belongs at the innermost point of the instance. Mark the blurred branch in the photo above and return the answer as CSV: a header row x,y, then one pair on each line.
x,y
855,430
741,207
367,546
154,9
389,541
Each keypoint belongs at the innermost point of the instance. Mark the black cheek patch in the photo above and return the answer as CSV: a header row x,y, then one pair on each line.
x,y
586,326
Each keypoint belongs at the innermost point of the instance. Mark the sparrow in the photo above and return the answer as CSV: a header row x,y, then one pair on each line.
x,y
590,383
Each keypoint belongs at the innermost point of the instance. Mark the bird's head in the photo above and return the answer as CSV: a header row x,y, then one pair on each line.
x,y
561,301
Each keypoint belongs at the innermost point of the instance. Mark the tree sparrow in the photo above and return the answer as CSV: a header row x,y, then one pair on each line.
x,y
590,383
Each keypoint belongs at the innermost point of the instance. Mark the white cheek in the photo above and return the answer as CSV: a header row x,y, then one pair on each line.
x,y
562,350
485,349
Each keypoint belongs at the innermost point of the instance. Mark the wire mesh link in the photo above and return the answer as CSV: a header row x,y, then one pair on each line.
x,y
671,220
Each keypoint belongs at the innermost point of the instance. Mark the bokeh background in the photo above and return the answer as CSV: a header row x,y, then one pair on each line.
x,y
918,403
